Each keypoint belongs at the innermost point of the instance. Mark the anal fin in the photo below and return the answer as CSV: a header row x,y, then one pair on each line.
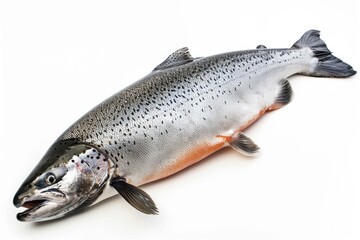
x,y
134,196
284,97
243,144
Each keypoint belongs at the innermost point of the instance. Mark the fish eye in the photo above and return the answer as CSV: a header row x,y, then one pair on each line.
x,y
50,178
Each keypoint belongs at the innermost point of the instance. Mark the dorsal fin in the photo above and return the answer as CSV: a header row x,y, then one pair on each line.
x,y
177,58
260,47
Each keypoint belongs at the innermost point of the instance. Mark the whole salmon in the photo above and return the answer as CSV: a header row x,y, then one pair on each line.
x,y
184,110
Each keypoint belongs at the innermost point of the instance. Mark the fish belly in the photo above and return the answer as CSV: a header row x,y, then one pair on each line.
x,y
206,128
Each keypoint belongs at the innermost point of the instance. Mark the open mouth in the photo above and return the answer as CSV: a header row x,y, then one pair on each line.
x,y
31,206
39,206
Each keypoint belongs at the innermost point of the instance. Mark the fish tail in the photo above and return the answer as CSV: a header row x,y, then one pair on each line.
x,y
327,65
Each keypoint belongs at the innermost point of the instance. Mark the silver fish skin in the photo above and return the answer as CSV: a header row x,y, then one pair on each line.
x,y
177,115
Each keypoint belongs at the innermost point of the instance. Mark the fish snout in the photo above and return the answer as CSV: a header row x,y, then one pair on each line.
x,y
21,195
17,201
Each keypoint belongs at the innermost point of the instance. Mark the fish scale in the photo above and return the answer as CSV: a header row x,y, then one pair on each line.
x,y
184,110
180,107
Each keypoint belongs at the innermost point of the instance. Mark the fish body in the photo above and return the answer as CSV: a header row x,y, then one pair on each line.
x,y
175,116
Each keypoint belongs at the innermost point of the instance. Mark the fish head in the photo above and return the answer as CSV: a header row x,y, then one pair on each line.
x,y
69,178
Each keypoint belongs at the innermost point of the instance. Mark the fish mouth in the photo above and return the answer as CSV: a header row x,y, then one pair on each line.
x,y
40,206
32,206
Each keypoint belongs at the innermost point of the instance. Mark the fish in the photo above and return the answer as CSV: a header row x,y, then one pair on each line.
x,y
184,110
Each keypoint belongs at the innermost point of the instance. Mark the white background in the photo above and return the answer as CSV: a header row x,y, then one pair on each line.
x,y
61,58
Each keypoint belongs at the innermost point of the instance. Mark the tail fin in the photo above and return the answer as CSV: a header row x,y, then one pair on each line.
x,y
328,65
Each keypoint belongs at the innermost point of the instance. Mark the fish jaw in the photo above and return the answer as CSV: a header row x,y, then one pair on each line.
x,y
33,214
40,205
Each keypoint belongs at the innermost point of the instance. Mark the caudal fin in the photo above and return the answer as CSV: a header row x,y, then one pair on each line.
x,y
328,65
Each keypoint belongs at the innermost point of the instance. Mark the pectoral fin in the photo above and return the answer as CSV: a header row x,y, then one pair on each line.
x,y
243,144
134,196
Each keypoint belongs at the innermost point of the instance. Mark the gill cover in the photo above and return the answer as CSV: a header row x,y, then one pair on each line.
x,y
69,177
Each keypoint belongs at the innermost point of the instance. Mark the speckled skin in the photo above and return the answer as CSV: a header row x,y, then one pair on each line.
x,y
150,126
177,115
